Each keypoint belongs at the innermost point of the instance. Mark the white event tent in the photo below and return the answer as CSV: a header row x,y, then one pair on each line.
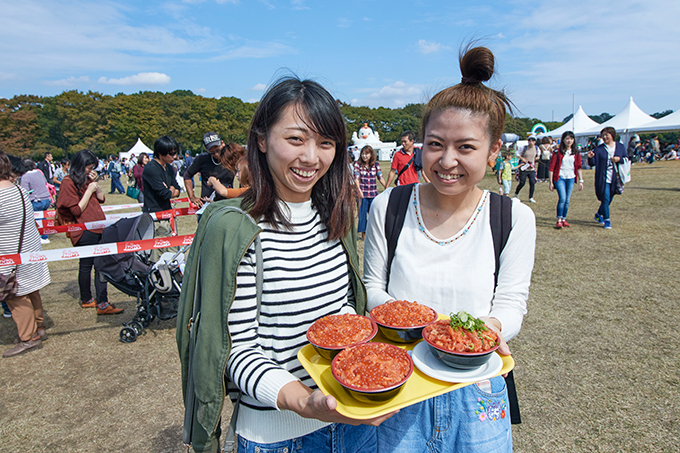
x,y
667,123
625,122
139,147
578,123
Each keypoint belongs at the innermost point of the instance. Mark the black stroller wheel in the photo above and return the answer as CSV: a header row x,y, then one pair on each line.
x,y
128,334
137,327
145,318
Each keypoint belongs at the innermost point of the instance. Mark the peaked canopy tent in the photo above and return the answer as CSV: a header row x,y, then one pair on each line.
x,y
578,123
139,147
667,123
624,122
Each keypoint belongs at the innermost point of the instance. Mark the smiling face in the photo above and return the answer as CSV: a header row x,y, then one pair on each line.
x,y
297,156
456,151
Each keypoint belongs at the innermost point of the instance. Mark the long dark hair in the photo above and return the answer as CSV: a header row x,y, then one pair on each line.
x,y
563,146
78,164
331,196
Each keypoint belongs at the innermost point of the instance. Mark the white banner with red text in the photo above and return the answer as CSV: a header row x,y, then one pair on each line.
x,y
94,250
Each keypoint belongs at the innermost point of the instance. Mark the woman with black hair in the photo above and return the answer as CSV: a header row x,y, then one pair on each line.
x,y
302,209
79,201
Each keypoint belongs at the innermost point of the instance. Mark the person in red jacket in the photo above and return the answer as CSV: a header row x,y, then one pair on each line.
x,y
80,201
564,168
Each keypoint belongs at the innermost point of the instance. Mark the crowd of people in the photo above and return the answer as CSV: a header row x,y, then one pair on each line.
x,y
291,257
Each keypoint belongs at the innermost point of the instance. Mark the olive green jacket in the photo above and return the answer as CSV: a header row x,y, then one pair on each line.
x,y
220,249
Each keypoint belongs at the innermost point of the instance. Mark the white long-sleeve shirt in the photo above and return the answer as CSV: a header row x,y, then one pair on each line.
x,y
457,273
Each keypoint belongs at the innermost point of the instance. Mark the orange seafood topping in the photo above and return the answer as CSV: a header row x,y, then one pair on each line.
x,y
402,313
442,335
372,366
335,331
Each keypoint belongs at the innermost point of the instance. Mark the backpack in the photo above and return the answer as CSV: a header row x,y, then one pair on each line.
x,y
501,223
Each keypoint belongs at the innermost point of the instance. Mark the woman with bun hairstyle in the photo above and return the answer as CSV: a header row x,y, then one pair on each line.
x,y
564,168
301,208
446,243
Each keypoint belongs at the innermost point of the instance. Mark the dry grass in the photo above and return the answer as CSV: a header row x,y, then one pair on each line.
x,y
596,369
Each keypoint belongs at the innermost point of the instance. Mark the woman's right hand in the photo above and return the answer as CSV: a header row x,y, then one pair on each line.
x,y
308,403
211,181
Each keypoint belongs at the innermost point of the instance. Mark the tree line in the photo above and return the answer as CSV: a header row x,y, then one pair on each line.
x,y
73,120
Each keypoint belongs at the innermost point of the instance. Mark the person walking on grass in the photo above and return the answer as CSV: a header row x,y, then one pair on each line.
x,y
366,172
527,169
564,168
604,157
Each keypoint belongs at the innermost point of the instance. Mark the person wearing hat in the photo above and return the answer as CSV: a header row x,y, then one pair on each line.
x,y
207,164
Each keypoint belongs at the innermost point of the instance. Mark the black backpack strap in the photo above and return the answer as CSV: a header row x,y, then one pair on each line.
x,y
500,211
394,221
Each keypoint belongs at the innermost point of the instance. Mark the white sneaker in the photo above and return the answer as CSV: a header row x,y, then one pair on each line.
x,y
532,200
44,241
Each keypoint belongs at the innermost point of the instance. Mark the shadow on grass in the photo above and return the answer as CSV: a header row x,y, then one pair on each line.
x,y
549,222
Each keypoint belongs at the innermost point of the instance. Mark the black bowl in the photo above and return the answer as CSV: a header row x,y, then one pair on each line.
x,y
330,352
378,395
460,360
403,334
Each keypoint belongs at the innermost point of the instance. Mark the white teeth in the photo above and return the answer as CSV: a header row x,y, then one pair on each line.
x,y
304,174
448,177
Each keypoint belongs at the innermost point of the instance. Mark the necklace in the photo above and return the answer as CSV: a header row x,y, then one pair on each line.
x,y
421,223
213,160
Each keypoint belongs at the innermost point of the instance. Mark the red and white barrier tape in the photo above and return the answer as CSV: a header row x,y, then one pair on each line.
x,y
48,226
94,250
51,213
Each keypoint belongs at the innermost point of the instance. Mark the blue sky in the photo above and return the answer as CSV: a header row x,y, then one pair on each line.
x,y
370,52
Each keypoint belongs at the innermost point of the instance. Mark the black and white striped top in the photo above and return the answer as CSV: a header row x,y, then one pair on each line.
x,y
30,276
305,277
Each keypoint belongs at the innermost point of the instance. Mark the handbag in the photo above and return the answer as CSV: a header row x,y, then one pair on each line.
x,y
132,192
8,283
619,185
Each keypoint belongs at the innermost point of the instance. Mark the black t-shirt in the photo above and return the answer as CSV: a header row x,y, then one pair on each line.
x,y
157,181
206,166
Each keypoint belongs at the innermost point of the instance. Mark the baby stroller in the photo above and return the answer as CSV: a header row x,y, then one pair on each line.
x,y
156,285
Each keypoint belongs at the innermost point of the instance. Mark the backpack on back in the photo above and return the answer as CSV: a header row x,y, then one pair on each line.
x,y
500,220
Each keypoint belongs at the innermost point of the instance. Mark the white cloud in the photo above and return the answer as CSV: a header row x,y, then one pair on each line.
x,y
299,5
200,90
344,22
68,82
251,100
259,87
143,78
254,49
430,47
395,95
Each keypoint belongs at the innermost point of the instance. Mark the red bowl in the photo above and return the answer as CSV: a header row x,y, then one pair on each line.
x,y
459,360
403,334
328,352
372,395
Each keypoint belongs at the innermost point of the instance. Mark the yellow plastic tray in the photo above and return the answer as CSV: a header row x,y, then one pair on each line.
x,y
419,386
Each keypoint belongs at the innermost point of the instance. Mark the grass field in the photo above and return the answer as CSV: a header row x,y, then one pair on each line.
x,y
597,358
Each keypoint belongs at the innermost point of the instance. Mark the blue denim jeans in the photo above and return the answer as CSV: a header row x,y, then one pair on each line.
x,y
364,208
606,200
116,184
564,188
335,438
467,420
41,205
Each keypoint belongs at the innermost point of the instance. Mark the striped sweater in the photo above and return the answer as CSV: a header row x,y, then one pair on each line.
x,y
305,278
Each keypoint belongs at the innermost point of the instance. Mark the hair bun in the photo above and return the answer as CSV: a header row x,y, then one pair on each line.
x,y
476,65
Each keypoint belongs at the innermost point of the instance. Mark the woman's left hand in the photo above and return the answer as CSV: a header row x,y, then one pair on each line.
x,y
552,185
580,186
495,325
